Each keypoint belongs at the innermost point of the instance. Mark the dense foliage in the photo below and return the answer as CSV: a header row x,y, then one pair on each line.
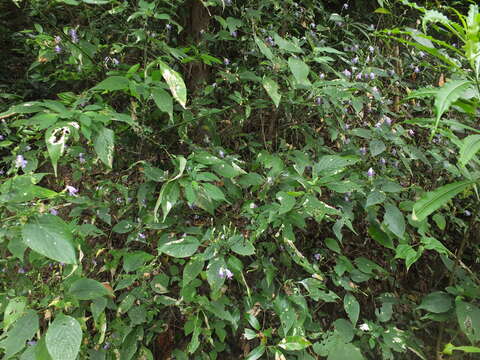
x,y
225,179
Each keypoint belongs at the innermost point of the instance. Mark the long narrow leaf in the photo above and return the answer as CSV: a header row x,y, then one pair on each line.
x,y
433,200
470,146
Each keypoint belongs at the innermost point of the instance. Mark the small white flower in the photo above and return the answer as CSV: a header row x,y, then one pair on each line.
x,y
364,327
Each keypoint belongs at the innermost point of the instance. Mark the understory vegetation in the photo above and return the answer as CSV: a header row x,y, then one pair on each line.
x,y
227,179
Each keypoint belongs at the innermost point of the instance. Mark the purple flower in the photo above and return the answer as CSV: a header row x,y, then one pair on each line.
x,y
355,47
20,162
106,346
270,41
2,137
378,124
81,158
339,23
53,212
416,69
226,61
225,273
394,152
321,76
234,34
372,76
228,2
421,54
31,343
71,190
355,60
58,39
371,49
21,271
58,49
345,6
383,161
347,73
317,256
115,61
358,76
168,27
141,236
375,89
370,173
391,72
318,100
411,132
467,213
73,35
387,120
363,150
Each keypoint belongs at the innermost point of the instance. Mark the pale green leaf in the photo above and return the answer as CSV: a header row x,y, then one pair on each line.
x,y
394,220
113,83
175,83
470,146
163,100
300,71
87,289
180,248
271,87
104,145
352,307
63,338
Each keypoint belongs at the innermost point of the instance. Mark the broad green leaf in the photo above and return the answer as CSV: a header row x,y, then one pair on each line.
x,y
163,100
470,146
263,48
113,83
300,70
344,329
271,87
286,45
433,200
168,197
446,96
135,260
87,289
175,83
394,220
449,348
287,202
23,330
468,316
214,192
377,147
437,302
191,270
50,236
180,248
243,247
13,311
63,338
256,353
375,197
294,343
344,351
213,273
440,221
352,307
104,145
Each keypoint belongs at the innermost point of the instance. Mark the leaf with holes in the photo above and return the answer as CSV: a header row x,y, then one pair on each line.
x,y
63,338
175,83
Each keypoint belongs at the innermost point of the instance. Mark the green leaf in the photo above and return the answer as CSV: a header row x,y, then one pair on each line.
x,y
345,351
271,87
437,302
470,146
377,147
294,343
449,348
23,330
286,45
468,316
433,200
214,192
446,96
175,83
63,338
193,268
382,10
243,247
263,48
104,145
256,353
375,197
180,248
394,220
163,100
87,289
352,307
300,71
113,83
135,260
50,236
440,221
287,202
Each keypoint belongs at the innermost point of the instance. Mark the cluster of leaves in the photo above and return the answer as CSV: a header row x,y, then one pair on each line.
x,y
224,179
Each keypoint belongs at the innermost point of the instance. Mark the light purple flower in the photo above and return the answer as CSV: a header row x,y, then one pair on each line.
x,y
372,76
168,27
270,41
141,236
375,89
371,49
115,61
411,132
58,39
81,158
378,124
21,271
363,150
226,61
355,60
228,2
318,100
71,190
221,153
391,72
317,256
53,212
416,69
421,54
2,137
383,161
20,162
387,120
106,346
225,273
358,76
339,23
345,6
394,152
467,213
31,343
73,35
370,173
347,73
58,49
321,76
234,34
